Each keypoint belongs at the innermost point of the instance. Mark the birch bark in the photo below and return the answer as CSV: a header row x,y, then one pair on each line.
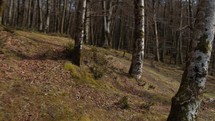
x,y
186,103
136,67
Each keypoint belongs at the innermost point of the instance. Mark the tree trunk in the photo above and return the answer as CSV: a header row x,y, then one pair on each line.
x,y
105,23
23,13
48,16
136,67
18,12
107,8
34,14
59,16
87,23
213,59
109,17
186,103
80,18
1,10
180,49
92,41
55,16
157,54
190,23
63,16
163,52
70,14
40,15
10,12
29,12
146,33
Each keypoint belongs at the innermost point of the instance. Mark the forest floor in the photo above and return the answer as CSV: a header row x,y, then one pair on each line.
x,y
38,83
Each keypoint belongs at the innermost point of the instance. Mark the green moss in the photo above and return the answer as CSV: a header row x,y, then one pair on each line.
x,y
204,45
56,112
94,49
87,77
81,75
96,61
209,95
84,118
69,47
73,69
142,34
29,96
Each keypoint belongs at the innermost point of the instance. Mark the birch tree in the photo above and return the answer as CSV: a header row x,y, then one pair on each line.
x,y
107,6
179,42
87,23
186,103
157,54
10,12
29,12
79,35
138,45
48,15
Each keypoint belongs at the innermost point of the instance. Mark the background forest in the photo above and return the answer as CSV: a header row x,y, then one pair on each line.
x,y
47,74
110,23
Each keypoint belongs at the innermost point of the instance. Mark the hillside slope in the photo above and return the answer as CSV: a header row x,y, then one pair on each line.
x,y
38,83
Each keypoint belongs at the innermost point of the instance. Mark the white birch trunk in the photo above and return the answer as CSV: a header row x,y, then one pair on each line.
x,y
157,54
138,47
87,22
29,12
107,8
186,103
48,15
10,11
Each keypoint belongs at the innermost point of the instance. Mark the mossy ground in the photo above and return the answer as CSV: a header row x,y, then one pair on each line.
x,y
39,83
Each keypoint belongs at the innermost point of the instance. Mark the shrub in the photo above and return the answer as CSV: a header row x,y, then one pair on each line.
x,y
123,103
147,105
97,71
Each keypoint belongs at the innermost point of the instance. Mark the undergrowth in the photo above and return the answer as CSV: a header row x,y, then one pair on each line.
x,y
123,103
